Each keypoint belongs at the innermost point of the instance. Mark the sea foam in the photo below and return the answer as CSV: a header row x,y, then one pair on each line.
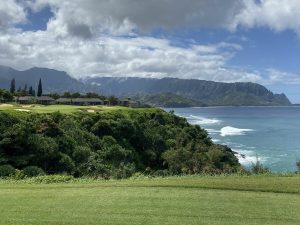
x,y
247,158
202,120
233,131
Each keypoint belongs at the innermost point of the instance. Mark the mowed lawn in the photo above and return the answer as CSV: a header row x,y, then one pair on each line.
x,y
223,200
60,108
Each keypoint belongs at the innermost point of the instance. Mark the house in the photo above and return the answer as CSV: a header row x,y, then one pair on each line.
x,y
87,101
25,99
125,102
45,100
129,103
64,101
134,104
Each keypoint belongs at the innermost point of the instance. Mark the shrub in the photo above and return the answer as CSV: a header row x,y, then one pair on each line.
x,y
33,171
258,168
52,179
298,165
18,175
6,171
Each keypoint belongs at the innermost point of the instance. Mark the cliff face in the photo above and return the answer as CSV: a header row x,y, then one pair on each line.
x,y
207,92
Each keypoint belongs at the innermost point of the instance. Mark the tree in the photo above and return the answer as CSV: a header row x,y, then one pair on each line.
x,y
40,88
30,91
67,95
13,86
298,165
25,88
76,95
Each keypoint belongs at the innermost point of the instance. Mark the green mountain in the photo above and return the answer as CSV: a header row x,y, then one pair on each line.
x,y
207,92
167,100
204,92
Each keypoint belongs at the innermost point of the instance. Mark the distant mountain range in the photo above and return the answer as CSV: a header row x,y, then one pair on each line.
x,y
53,80
207,92
187,91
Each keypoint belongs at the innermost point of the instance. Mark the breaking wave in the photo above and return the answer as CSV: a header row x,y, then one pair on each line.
x,y
202,120
233,131
247,157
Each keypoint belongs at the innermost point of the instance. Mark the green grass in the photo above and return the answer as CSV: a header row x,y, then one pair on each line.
x,y
222,200
59,108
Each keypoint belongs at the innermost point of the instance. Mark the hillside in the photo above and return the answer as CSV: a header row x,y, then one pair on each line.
x,y
204,92
107,142
53,80
207,92
167,100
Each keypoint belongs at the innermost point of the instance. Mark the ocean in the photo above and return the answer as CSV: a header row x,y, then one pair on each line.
x,y
269,134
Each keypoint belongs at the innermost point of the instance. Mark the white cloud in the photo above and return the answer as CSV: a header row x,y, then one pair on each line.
x,y
278,15
279,77
120,56
123,15
11,13
87,37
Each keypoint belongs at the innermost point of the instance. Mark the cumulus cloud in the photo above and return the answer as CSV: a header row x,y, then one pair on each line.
x,y
277,15
122,16
120,56
100,37
11,13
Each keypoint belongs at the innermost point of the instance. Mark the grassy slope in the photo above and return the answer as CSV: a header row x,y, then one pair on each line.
x,y
188,200
61,108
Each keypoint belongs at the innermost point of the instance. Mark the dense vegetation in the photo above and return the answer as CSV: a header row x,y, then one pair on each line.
x,y
168,100
5,96
207,92
115,144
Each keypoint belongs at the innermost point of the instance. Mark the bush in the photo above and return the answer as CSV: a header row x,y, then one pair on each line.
x,y
258,168
33,171
298,165
6,171
52,179
18,175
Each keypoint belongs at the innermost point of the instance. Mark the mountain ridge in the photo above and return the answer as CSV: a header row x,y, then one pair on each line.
x,y
210,93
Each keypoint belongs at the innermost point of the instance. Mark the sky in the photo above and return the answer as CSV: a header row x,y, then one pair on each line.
x,y
220,40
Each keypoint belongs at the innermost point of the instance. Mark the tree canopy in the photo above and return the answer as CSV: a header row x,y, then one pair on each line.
x,y
115,144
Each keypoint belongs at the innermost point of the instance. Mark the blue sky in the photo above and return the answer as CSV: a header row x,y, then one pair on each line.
x,y
236,41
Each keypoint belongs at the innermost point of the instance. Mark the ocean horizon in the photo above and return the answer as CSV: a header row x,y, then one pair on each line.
x,y
269,134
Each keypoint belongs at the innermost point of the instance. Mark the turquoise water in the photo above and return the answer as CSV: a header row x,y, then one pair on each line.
x,y
270,134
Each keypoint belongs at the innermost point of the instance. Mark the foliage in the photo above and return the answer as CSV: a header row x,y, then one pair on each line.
x,y
12,86
167,100
52,179
114,144
258,167
40,88
5,96
298,165
33,171
6,171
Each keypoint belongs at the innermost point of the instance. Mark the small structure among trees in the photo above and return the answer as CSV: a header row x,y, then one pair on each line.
x,y
25,99
45,100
